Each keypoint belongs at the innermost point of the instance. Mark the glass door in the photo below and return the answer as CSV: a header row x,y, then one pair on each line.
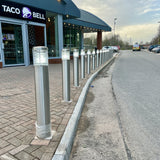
x,y
12,44
36,38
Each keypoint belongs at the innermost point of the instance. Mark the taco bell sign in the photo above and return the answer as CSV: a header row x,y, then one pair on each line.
x,y
19,11
26,13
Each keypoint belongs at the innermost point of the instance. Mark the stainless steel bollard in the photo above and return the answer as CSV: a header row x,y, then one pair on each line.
x,y
98,58
88,62
40,61
82,64
66,74
76,67
93,60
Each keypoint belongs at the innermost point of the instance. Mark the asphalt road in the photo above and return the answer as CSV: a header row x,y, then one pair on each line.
x,y
136,84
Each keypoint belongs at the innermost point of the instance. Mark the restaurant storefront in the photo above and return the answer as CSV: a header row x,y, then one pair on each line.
x,y
24,26
21,28
56,24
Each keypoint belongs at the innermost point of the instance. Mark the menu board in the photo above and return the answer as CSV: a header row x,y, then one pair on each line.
x,y
8,37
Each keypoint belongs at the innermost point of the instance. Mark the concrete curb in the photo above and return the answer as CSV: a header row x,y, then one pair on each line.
x,y
65,146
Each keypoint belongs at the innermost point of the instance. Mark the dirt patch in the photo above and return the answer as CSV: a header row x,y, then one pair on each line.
x,y
90,97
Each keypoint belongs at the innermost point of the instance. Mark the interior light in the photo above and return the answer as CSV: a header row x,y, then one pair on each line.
x,y
67,16
49,19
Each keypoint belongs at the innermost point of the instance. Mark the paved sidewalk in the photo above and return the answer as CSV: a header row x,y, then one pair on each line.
x,y
18,112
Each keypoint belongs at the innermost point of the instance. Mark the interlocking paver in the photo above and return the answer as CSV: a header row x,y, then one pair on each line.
x,y
11,135
7,156
3,143
18,112
6,149
23,155
18,149
15,141
47,156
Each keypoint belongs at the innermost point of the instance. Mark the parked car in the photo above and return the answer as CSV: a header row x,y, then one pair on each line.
x,y
156,49
151,47
115,48
106,47
118,47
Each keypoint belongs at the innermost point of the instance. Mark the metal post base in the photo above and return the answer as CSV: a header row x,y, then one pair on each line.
x,y
43,131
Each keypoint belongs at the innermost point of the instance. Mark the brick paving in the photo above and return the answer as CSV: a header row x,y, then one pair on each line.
x,y
18,112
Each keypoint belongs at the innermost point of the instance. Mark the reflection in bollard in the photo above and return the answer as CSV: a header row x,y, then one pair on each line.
x,y
76,67
101,52
82,64
98,58
88,62
93,59
108,55
103,56
40,61
66,74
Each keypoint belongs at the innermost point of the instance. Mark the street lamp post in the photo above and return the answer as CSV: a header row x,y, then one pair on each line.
x,y
159,33
115,19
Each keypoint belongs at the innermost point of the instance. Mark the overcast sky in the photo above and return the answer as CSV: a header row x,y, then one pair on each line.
x,y
137,20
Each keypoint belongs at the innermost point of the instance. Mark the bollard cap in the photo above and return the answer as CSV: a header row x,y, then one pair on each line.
x,y
75,53
101,51
89,52
82,52
98,51
93,52
65,54
40,56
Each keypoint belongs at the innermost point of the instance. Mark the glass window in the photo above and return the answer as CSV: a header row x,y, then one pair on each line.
x,y
71,38
13,44
51,34
51,38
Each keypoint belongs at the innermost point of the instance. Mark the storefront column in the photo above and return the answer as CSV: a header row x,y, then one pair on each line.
x,y
99,40
59,34
81,39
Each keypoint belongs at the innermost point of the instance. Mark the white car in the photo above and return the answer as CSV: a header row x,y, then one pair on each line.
x,y
155,49
115,48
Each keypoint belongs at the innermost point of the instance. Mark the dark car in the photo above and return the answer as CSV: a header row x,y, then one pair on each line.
x,y
151,47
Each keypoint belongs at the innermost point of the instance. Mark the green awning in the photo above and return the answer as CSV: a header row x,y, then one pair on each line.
x,y
89,21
